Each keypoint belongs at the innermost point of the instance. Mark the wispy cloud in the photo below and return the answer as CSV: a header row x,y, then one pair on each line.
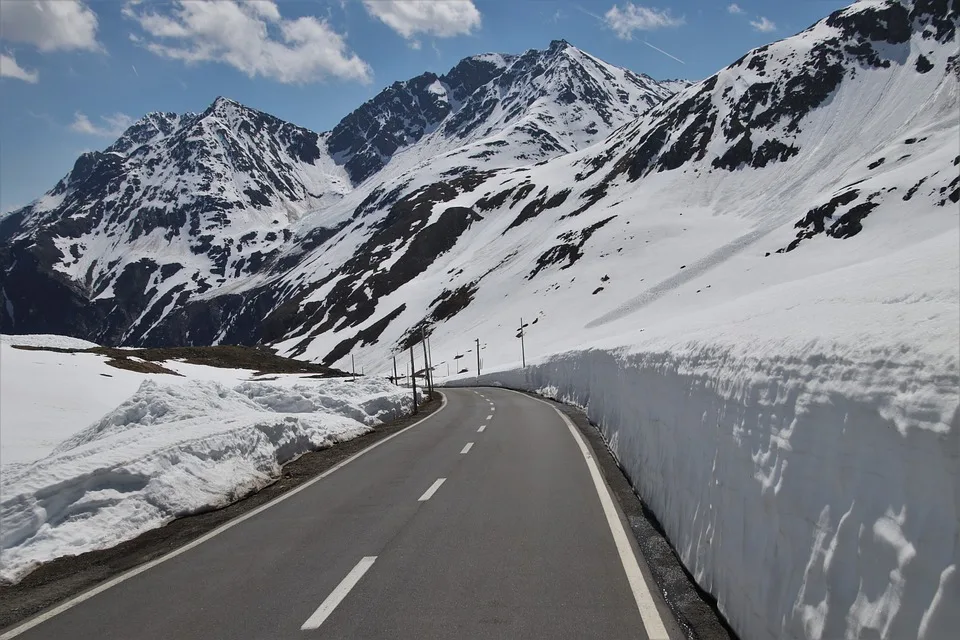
x,y
735,9
634,17
763,25
10,69
252,37
438,18
111,126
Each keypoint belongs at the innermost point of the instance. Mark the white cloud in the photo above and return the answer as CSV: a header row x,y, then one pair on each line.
x,y
763,25
111,127
634,17
50,25
10,69
735,9
250,36
440,18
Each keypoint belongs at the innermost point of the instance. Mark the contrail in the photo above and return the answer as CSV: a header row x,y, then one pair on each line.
x,y
600,19
664,52
589,13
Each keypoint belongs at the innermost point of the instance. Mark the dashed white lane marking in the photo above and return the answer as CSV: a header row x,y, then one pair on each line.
x,y
337,595
652,622
490,417
482,427
467,448
69,604
432,490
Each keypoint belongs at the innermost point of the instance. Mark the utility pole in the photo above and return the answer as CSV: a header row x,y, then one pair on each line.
x,y
353,368
478,358
523,352
413,378
396,380
426,364
430,357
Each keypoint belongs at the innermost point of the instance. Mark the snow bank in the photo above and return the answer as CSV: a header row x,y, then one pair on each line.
x,y
47,396
173,450
813,490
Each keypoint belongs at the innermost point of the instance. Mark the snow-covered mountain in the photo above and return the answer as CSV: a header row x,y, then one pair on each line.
x,y
541,103
801,138
183,205
491,184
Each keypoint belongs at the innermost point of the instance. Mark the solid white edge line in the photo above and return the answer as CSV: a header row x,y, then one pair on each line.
x,y
432,490
466,448
652,622
482,427
338,594
69,604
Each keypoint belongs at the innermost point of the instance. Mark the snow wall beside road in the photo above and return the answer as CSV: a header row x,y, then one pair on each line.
x,y
815,494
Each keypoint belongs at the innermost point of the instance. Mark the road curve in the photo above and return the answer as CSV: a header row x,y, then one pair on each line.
x,y
485,520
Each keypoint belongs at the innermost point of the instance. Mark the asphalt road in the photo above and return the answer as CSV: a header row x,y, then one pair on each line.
x,y
483,521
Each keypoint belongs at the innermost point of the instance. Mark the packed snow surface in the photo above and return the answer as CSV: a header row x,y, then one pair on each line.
x,y
47,396
171,450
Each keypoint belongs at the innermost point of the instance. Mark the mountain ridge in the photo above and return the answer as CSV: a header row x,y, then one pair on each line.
x,y
229,184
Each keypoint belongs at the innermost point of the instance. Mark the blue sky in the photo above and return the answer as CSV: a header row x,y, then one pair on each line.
x,y
73,73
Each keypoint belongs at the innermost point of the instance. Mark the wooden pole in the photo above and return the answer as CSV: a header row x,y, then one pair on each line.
x,y
396,380
413,378
426,365
430,356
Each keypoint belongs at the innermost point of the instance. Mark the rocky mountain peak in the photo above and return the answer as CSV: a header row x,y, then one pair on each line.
x,y
154,125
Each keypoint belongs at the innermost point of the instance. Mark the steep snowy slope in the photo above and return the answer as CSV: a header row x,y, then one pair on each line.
x,y
152,239
797,147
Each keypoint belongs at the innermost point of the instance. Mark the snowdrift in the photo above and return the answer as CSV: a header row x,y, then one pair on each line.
x,y
173,450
